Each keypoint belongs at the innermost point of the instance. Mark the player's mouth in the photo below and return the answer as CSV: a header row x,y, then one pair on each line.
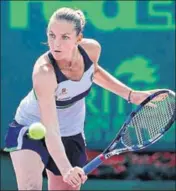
x,y
57,51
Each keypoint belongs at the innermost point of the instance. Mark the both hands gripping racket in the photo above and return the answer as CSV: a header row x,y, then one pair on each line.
x,y
144,126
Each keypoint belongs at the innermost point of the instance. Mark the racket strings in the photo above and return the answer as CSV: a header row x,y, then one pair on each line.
x,y
148,123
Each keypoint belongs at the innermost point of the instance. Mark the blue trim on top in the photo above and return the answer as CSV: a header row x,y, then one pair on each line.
x,y
59,75
74,99
87,61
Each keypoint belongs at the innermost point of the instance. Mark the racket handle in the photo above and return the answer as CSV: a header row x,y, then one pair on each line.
x,y
93,164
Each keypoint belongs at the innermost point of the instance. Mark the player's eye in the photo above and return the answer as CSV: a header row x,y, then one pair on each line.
x,y
52,35
65,37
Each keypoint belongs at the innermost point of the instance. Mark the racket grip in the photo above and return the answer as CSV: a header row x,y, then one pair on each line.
x,y
93,164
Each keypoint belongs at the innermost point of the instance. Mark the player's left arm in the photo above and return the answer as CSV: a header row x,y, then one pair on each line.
x,y
101,76
106,80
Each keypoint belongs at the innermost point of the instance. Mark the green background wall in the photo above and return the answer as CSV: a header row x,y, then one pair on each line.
x,y
137,41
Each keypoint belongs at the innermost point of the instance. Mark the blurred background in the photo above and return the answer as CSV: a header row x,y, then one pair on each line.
x,y
138,47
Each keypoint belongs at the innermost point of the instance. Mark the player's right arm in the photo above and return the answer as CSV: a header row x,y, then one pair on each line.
x,y
45,84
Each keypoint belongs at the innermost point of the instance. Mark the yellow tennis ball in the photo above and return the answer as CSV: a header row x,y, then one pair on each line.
x,y
37,131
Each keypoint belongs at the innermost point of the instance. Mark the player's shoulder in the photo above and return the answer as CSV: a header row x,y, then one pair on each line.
x,y
43,65
43,69
92,47
88,42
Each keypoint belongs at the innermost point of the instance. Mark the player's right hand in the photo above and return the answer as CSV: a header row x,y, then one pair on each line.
x,y
75,177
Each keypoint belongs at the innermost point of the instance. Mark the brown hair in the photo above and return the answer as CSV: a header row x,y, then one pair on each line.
x,y
75,16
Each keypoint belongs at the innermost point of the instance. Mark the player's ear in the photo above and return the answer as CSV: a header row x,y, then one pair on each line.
x,y
80,37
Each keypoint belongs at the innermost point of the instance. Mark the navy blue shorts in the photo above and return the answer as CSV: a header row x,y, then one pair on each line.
x,y
17,139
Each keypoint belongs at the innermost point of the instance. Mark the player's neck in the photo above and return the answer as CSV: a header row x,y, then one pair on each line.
x,y
69,61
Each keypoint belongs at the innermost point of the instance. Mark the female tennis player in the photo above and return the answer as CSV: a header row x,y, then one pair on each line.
x,y
62,77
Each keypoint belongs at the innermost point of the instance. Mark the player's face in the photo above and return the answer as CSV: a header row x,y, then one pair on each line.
x,y
62,39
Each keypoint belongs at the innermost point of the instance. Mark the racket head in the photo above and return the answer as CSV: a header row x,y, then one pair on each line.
x,y
149,121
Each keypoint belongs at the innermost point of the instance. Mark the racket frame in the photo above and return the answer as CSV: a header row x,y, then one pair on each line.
x,y
110,151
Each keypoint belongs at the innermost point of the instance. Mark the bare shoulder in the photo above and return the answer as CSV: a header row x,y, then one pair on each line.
x,y
92,47
90,43
43,72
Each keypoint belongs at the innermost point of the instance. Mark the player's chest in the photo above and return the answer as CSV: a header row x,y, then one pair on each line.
x,y
68,89
74,74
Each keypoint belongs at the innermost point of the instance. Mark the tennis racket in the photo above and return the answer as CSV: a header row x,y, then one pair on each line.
x,y
145,125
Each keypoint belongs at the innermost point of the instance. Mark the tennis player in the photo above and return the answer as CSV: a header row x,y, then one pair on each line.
x,y
62,78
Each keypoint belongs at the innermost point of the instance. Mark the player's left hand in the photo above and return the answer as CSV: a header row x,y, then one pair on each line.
x,y
138,96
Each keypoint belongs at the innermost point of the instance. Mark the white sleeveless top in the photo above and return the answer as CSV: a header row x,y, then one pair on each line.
x,y
70,100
